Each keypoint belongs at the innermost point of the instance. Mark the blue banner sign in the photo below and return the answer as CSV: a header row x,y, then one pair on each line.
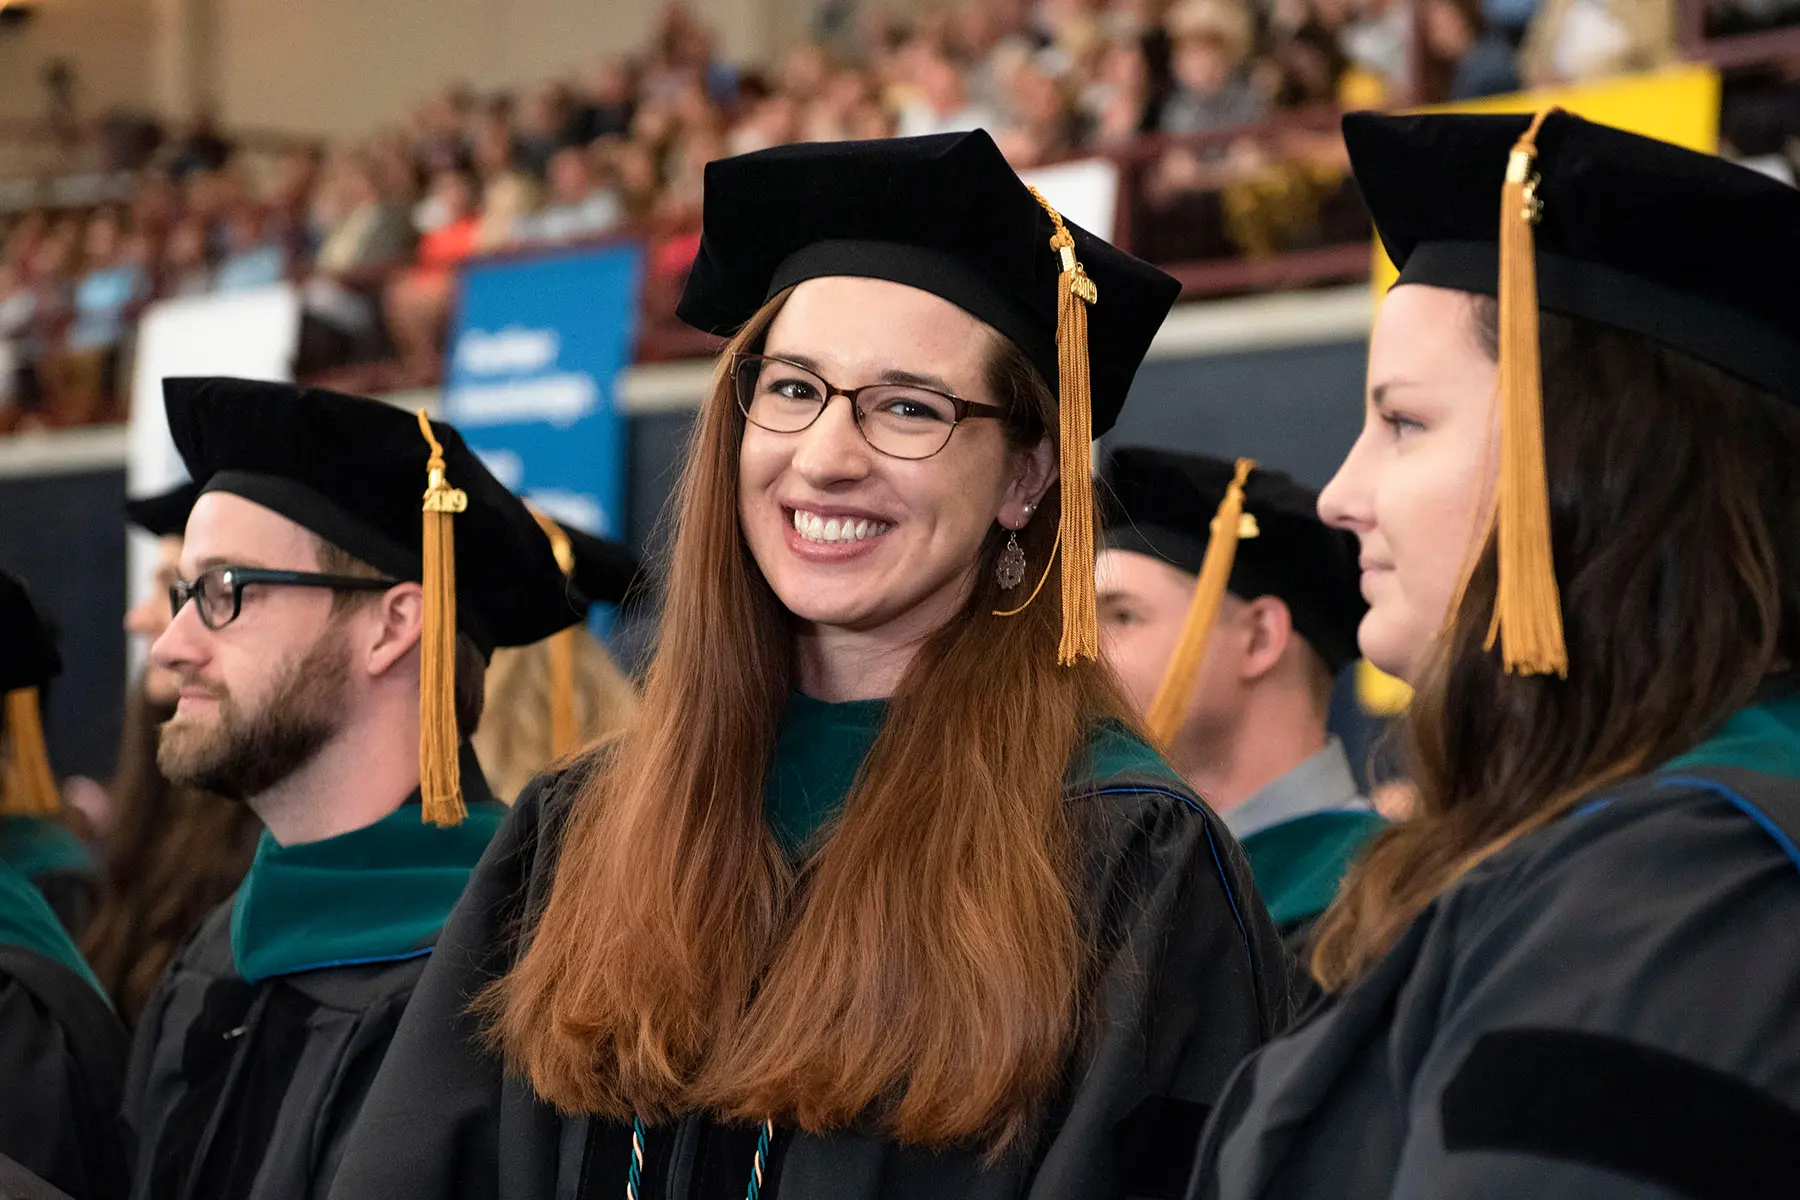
x,y
539,346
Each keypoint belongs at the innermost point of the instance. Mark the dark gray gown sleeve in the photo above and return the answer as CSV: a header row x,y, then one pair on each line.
x,y
61,1058
1617,1019
1192,977
431,1125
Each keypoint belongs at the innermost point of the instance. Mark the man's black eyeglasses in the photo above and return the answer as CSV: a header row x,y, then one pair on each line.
x,y
219,593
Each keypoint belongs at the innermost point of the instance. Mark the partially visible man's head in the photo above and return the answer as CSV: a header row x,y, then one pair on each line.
x,y
258,698
1143,603
149,617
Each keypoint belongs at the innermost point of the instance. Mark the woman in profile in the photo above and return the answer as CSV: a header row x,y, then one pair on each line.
x,y
1574,971
875,897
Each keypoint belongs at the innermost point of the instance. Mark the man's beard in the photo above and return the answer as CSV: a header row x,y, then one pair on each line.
x,y
241,755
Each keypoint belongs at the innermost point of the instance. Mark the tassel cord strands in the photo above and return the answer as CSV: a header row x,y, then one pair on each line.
x,y
30,787
1229,524
1075,292
1527,620
565,734
440,785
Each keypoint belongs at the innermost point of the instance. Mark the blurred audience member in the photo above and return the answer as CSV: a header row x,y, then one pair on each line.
x,y
940,103
1042,122
184,270
1572,41
1212,91
772,121
1307,64
1119,105
252,258
113,285
582,203
1464,60
418,302
361,229
506,201
543,123
605,106
203,148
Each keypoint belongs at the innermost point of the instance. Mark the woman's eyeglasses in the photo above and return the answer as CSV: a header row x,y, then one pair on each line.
x,y
218,594
902,420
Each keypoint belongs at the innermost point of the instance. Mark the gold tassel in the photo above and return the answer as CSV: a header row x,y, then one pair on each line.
x,y
440,783
1527,608
30,785
565,734
1229,524
1074,292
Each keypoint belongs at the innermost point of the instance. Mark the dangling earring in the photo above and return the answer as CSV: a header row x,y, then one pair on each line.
x,y
1010,570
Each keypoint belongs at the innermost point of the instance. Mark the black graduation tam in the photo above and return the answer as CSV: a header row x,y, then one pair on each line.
x,y
352,471
944,214
28,654
404,495
1678,246
165,514
28,660
1163,503
605,571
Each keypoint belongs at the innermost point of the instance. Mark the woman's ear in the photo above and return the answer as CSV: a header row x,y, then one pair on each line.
x,y
1033,471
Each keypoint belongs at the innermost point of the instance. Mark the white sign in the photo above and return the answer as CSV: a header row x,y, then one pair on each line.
x,y
250,335
1086,192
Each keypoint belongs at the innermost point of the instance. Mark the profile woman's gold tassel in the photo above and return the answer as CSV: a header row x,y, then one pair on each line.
x,y
565,735
1527,608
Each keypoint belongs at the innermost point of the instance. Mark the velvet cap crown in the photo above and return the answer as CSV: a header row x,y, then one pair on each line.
x,y
944,214
28,654
353,471
1681,247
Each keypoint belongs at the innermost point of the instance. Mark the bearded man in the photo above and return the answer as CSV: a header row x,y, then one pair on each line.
x,y
308,610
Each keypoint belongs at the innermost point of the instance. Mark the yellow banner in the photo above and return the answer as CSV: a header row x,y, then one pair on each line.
x,y
1677,104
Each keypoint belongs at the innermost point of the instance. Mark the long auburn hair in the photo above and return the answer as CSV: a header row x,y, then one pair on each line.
x,y
174,855
1675,523
920,972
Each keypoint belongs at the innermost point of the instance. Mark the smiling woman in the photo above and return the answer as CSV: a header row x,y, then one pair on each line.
x,y
876,897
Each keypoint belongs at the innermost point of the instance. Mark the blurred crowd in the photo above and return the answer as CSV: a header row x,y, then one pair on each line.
x,y
1191,96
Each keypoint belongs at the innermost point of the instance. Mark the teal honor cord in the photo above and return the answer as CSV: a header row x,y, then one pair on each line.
x,y
635,1176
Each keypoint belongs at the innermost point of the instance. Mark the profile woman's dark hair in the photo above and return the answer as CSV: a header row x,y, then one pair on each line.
x,y
175,854
1675,522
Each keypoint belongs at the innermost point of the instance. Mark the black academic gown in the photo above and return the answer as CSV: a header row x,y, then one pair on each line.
x,y
1193,977
1609,1009
62,1062
248,1091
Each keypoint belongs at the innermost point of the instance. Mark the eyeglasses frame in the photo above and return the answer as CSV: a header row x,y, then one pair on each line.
x,y
965,409
238,578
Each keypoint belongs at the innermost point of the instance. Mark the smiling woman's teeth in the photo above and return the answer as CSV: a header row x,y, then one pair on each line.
x,y
815,528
